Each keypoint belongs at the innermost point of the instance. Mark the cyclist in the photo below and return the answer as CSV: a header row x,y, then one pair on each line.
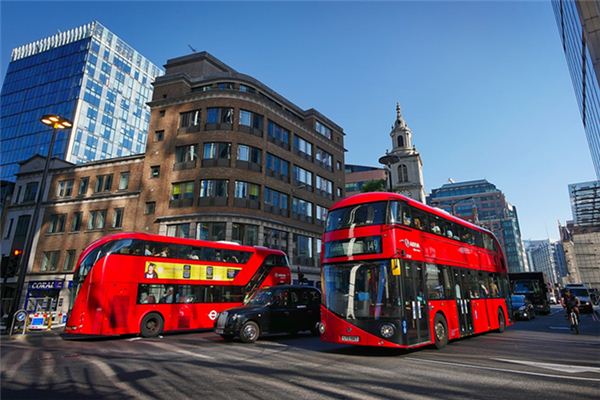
x,y
571,303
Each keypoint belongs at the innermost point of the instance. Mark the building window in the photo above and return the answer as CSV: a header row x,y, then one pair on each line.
x,y
155,171
400,141
251,120
30,192
249,154
302,177
76,221
49,261
161,113
217,150
320,213
338,192
159,136
225,86
219,115
246,190
65,188
303,250
103,183
210,231
83,186
150,207
186,153
276,200
325,159
275,239
179,230
118,218
323,130
247,89
245,234
97,219
69,260
302,146
278,167
213,188
182,190
324,185
8,228
56,223
124,181
189,119
402,173
279,134
302,208
338,165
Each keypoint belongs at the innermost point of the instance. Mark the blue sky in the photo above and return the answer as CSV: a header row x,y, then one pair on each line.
x,y
483,85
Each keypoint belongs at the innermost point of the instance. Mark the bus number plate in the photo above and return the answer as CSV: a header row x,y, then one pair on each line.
x,y
353,339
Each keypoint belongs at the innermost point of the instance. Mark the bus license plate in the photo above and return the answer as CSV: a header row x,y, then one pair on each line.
x,y
353,339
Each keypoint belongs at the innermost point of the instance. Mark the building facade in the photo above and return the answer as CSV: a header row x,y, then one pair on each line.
x,y
406,170
87,75
541,258
585,203
581,246
482,203
359,175
227,159
579,28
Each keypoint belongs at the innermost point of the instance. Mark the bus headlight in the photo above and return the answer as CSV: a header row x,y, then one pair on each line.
x,y
321,328
387,330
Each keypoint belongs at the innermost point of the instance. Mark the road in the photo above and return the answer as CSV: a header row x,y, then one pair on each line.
x,y
537,359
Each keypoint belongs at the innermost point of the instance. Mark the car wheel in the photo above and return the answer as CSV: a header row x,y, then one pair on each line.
x,y
315,329
152,325
249,332
227,338
501,321
440,331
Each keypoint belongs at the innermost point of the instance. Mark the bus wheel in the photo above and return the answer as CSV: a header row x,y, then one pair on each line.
x,y
249,332
501,321
152,325
440,329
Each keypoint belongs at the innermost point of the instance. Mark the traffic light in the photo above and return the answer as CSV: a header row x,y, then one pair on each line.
x,y
13,262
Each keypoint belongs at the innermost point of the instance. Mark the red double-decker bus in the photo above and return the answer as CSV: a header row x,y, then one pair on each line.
x,y
397,273
136,283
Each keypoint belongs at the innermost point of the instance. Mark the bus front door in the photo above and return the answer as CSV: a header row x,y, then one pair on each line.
x,y
415,323
463,303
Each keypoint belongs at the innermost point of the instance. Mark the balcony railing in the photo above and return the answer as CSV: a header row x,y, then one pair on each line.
x,y
178,166
248,165
251,130
276,210
246,203
179,203
223,126
213,201
189,129
216,162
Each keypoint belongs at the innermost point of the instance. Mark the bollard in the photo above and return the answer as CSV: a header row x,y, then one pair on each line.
x,y
49,321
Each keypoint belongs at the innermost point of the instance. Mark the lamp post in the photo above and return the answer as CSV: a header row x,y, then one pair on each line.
x,y
56,122
388,160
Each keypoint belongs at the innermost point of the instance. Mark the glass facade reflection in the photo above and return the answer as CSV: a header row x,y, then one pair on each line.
x,y
86,74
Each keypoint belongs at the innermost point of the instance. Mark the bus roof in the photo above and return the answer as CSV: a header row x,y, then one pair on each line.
x,y
372,197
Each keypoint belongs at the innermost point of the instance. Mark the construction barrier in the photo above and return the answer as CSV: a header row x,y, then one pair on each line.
x,y
46,320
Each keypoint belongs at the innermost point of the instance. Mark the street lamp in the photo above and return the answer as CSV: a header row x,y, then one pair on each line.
x,y
388,160
56,122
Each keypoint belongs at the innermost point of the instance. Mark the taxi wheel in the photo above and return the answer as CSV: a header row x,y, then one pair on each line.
x,y
250,332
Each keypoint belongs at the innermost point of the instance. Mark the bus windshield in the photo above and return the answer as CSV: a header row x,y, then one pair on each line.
x,y
362,290
358,215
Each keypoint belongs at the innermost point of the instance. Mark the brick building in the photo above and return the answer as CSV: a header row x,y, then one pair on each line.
x,y
227,158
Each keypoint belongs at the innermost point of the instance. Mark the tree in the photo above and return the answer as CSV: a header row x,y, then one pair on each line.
x,y
374,186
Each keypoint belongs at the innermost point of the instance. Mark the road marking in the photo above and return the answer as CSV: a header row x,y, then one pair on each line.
x,y
513,371
180,351
571,369
559,327
107,370
134,339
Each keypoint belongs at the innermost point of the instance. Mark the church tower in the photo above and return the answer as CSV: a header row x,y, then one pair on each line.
x,y
407,168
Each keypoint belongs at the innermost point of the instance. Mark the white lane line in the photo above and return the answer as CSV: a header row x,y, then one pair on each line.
x,y
171,348
513,371
133,339
564,328
114,379
571,369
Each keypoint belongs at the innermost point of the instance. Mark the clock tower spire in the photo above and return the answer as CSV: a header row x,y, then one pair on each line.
x,y
407,167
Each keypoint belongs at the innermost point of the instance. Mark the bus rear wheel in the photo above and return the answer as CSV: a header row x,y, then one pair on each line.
x,y
501,321
152,325
440,331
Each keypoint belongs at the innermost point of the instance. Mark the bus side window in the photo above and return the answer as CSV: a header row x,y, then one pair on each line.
x,y
435,284
406,218
393,213
484,290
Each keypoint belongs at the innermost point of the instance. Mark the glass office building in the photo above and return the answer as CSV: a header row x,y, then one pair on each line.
x,y
578,28
482,203
86,74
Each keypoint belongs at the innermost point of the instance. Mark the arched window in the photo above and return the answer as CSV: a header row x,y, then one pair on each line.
x,y
400,141
402,173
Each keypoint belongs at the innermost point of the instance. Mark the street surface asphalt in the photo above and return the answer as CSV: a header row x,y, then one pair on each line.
x,y
539,359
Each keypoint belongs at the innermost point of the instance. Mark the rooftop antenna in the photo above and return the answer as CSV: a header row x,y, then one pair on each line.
x,y
450,180
191,48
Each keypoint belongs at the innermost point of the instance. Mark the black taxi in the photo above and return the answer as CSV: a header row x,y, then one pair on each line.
x,y
279,309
